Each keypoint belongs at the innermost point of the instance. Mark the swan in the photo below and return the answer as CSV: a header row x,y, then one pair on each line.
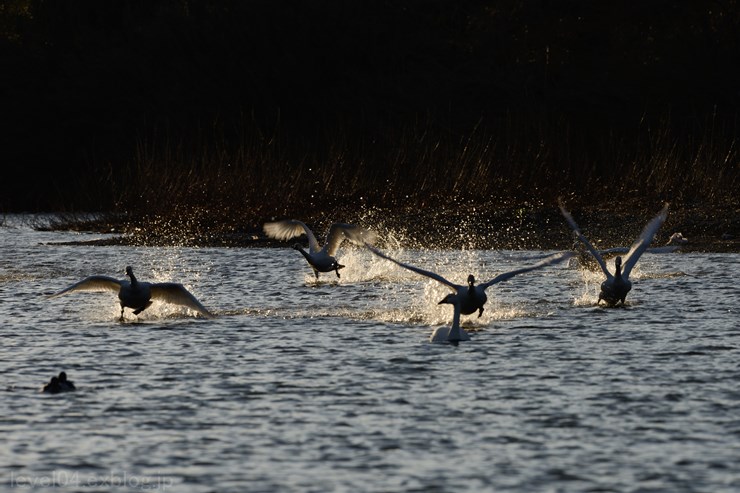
x,y
59,384
320,259
469,298
615,288
677,239
138,295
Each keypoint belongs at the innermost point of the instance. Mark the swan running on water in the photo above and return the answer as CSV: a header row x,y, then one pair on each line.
x,y
321,259
139,295
615,288
467,299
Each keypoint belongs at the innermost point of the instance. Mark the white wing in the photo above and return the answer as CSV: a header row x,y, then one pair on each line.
x,y
175,293
92,283
432,275
338,232
290,228
644,240
552,259
590,247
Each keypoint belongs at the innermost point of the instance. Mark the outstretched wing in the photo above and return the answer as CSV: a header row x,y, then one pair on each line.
x,y
644,240
552,259
172,292
355,234
432,275
583,239
290,228
92,283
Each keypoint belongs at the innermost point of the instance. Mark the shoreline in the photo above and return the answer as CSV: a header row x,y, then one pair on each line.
x,y
472,226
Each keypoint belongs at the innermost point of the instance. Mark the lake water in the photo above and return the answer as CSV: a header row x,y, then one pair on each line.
x,y
296,386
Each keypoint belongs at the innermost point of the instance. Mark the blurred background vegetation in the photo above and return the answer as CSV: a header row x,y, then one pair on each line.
x,y
283,107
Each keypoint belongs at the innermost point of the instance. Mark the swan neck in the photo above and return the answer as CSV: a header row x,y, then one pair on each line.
x,y
303,252
134,282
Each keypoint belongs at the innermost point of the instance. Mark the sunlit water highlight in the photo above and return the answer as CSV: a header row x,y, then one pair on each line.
x,y
332,386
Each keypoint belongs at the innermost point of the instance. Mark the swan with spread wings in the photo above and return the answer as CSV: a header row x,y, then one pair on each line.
x,y
469,298
138,295
321,259
616,286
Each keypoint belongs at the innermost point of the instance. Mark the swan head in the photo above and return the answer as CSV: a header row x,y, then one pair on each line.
x,y
129,271
471,280
336,266
63,377
297,246
618,264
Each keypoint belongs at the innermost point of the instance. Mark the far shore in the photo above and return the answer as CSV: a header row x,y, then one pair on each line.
x,y
469,226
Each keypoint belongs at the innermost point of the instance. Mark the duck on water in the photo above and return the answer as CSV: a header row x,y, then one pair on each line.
x,y
58,384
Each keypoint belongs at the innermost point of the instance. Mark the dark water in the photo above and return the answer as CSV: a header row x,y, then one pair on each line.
x,y
334,387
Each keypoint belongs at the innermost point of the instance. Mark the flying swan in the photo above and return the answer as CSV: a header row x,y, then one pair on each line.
x,y
470,298
320,259
138,295
615,288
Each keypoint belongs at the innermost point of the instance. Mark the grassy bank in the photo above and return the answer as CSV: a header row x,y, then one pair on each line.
x,y
494,186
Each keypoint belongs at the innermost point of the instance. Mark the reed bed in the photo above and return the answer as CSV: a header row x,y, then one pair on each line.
x,y
219,185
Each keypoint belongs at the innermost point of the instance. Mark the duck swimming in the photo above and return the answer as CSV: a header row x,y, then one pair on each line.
x,y
64,383
138,295
469,298
59,384
615,288
321,259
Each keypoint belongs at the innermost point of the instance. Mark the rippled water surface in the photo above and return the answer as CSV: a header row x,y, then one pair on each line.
x,y
298,386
